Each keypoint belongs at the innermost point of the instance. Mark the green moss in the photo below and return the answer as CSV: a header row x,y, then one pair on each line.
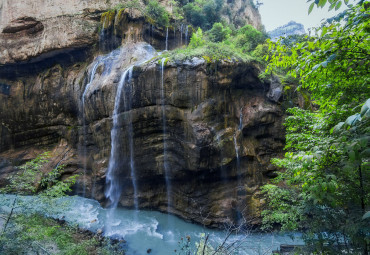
x,y
120,13
107,19
159,62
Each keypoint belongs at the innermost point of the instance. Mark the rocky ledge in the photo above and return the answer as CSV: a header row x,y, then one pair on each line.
x,y
222,126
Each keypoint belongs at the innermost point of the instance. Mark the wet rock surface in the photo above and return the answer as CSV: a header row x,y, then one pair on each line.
x,y
221,132
221,128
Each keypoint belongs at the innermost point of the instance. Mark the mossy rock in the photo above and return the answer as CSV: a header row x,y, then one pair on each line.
x,y
107,19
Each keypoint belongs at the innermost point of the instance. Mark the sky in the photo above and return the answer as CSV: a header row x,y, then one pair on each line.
x,y
276,13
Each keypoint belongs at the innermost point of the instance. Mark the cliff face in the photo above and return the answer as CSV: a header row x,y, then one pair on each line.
x,y
241,12
31,31
215,127
289,29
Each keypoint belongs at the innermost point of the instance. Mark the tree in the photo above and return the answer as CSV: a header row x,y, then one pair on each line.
x,y
333,4
194,14
218,33
197,39
203,13
324,189
157,13
247,38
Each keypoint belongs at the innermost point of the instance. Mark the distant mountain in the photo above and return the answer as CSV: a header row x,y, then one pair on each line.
x,y
292,28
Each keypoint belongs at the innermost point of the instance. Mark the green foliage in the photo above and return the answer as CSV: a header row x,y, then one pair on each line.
x,y
217,45
284,208
35,234
197,39
25,180
194,14
325,186
219,33
333,4
328,179
26,232
333,65
30,179
260,52
211,52
203,13
247,38
157,13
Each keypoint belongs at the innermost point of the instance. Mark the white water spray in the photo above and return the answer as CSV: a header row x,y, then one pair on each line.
x,y
165,163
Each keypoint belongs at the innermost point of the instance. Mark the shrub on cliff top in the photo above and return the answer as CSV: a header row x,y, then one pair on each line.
x,y
157,13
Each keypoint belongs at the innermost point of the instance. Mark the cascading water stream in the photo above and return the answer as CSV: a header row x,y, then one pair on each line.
x,y
238,170
223,172
91,78
181,29
186,34
114,189
117,161
165,163
99,60
128,89
167,38
237,147
174,33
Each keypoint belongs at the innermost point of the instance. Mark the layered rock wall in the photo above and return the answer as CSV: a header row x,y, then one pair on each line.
x,y
221,131
222,124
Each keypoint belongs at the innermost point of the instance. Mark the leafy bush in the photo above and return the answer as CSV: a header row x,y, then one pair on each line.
x,y
30,179
219,33
194,14
197,39
203,13
247,38
219,45
157,13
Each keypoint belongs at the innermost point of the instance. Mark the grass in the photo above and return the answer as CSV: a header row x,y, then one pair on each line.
x,y
40,235
210,51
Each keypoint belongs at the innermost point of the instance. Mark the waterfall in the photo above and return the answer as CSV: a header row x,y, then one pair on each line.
x,y
240,126
240,120
237,154
151,33
117,160
167,38
91,78
107,61
114,189
186,34
181,33
165,163
223,172
238,170
128,89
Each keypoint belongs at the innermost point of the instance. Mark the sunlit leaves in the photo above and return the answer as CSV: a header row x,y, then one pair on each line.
x,y
327,160
311,8
337,54
338,5
321,3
